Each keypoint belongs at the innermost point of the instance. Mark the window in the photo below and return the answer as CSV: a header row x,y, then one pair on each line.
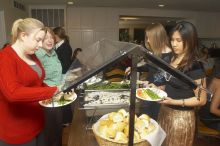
x,y
50,17
124,34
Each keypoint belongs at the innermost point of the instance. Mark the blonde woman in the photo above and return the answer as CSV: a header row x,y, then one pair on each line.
x,y
22,87
157,41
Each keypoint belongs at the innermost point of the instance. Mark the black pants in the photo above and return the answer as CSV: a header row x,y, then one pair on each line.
x,y
39,140
53,126
67,112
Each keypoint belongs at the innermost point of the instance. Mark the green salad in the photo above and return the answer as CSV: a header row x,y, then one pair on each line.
x,y
62,100
151,94
110,85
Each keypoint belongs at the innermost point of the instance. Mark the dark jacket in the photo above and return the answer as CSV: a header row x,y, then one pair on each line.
x,y
64,53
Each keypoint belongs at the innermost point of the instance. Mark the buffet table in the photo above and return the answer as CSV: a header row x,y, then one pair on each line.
x,y
81,133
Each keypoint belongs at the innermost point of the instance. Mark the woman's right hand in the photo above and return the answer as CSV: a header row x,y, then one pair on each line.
x,y
127,71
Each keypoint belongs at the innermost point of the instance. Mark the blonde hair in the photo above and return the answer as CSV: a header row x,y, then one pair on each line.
x,y
158,39
25,25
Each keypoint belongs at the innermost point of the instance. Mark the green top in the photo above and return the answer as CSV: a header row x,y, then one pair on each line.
x,y
52,67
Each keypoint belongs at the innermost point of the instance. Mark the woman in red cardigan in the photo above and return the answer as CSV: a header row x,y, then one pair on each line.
x,y
22,87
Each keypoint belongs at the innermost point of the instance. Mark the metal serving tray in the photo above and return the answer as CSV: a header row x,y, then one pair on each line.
x,y
91,96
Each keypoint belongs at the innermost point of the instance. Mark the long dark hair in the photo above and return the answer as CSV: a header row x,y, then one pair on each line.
x,y
189,37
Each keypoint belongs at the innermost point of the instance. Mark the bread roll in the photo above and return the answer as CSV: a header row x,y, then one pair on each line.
x,y
110,115
139,125
123,112
110,133
151,127
144,133
118,117
126,130
121,137
102,130
126,119
106,122
146,122
137,137
144,116
113,126
120,126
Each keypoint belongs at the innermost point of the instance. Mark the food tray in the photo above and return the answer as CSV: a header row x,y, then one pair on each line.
x,y
100,109
106,98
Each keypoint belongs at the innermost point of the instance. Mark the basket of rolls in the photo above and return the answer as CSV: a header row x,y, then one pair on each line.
x,y
113,129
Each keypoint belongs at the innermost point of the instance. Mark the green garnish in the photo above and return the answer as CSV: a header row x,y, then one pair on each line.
x,y
102,86
62,100
151,94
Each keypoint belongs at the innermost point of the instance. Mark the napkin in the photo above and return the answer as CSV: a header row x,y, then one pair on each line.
x,y
157,136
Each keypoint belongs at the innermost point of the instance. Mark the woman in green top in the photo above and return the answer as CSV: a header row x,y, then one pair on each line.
x,y
50,61
53,70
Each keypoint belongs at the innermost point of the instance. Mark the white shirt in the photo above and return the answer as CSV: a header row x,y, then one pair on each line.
x,y
59,44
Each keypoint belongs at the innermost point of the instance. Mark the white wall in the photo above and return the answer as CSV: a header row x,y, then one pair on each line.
x,y
2,29
86,25
11,14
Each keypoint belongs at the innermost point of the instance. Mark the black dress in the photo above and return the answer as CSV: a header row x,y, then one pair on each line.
x,y
177,121
64,53
156,76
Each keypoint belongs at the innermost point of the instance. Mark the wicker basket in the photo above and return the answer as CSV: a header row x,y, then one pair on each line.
x,y
105,142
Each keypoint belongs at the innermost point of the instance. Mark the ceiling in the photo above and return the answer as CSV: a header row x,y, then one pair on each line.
x,y
147,20
194,5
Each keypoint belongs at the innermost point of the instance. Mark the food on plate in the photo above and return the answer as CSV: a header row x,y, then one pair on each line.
x,y
60,99
115,127
151,94
145,93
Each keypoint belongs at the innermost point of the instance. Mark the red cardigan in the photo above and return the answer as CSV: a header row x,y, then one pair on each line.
x,y
21,116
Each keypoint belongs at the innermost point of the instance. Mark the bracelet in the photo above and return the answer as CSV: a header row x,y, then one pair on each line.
x,y
183,105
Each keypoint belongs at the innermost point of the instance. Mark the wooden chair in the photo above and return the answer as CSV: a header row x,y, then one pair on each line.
x,y
204,131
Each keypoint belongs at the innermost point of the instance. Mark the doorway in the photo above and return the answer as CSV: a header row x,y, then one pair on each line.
x,y
135,26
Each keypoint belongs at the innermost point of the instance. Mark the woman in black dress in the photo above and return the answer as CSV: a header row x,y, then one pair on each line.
x,y
177,115
64,53
63,48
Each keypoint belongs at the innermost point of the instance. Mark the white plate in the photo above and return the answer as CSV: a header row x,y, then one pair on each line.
x,y
56,104
158,91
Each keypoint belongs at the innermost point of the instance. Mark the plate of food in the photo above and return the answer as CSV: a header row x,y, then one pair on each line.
x,y
59,100
150,94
